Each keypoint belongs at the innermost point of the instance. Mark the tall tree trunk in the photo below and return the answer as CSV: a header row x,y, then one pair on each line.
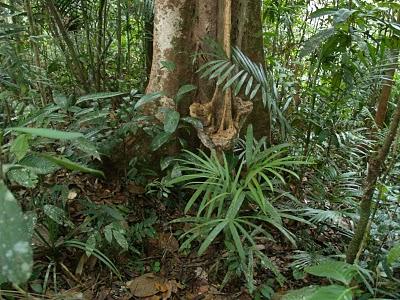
x,y
180,29
374,171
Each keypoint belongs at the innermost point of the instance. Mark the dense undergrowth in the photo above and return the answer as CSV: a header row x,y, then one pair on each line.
x,y
94,193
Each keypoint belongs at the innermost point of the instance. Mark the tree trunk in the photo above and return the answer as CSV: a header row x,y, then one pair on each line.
x,y
374,171
386,91
35,47
249,38
78,68
100,43
180,29
119,43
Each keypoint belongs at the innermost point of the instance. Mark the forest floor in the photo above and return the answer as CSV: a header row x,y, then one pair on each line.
x,y
159,270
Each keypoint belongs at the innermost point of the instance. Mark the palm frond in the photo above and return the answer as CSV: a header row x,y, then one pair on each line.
x,y
243,75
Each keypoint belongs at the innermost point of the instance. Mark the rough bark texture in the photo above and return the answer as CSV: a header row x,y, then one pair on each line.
x,y
169,45
180,29
374,171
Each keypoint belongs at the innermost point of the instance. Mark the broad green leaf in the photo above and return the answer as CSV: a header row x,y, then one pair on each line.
x,y
332,292
91,244
61,100
70,165
325,11
159,140
39,164
169,65
394,254
114,213
342,15
98,96
193,121
184,90
171,120
390,4
166,162
48,133
23,176
87,147
335,270
20,146
316,40
148,98
121,240
108,233
15,251
58,215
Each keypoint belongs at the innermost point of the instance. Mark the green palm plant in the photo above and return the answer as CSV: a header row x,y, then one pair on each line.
x,y
234,198
243,75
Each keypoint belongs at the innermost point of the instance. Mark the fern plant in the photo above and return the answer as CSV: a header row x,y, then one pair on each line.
x,y
234,198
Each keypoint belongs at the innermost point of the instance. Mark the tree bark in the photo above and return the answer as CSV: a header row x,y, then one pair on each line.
x,y
180,29
374,171
249,38
386,91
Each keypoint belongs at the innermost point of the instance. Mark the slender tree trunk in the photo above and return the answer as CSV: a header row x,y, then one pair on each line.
x,y
128,38
119,42
78,69
249,38
89,50
99,49
374,171
148,44
386,91
35,47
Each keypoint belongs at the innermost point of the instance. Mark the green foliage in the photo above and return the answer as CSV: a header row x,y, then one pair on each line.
x,y
16,235
333,270
394,254
70,165
241,74
331,292
325,70
48,133
223,189
16,253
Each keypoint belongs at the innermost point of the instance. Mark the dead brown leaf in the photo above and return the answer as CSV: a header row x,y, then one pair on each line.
x,y
152,287
145,285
